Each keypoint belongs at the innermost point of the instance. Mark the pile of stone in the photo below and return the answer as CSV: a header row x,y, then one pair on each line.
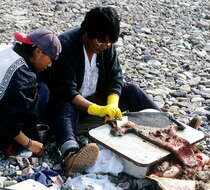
x,y
164,47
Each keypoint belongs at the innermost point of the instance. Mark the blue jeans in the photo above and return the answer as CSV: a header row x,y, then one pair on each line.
x,y
43,100
66,116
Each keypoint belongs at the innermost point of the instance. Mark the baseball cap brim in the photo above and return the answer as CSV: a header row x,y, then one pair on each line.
x,y
24,39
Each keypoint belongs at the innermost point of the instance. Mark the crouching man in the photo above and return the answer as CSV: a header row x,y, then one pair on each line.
x,y
87,81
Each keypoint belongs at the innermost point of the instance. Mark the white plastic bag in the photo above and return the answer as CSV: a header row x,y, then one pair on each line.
x,y
107,162
90,181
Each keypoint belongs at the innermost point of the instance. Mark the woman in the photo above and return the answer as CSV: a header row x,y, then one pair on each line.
x,y
21,98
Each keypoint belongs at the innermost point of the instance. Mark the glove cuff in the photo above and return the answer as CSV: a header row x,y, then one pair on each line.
x,y
93,109
113,99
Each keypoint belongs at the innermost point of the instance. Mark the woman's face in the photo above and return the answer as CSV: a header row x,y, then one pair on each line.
x,y
40,61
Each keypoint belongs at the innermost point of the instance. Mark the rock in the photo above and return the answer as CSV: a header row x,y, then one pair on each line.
x,y
57,167
154,63
45,165
185,88
34,160
125,25
205,82
146,30
23,162
200,53
19,173
197,99
207,47
2,180
201,111
174,110
164,48
10,171
178,93
146,58
27,171
195,81
9,183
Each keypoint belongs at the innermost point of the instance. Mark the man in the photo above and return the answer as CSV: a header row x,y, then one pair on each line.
x,y
89,69
21,99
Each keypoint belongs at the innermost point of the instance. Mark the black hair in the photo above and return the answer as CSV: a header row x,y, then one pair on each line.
x,y
24,50
101,22
28,49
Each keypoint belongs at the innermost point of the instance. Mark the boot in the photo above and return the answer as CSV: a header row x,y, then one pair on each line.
x,y
77,162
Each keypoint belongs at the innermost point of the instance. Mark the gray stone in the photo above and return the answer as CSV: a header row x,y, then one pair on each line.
x,y
34,160
57,167
197,99
23,162
195,81
178,93
9,183
164,48
2,180
27,171
154,63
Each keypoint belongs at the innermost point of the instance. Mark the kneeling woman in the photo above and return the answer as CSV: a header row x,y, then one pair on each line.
x,y
21,97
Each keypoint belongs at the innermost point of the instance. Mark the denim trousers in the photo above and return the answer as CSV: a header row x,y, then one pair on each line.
x,y
42,101
66,116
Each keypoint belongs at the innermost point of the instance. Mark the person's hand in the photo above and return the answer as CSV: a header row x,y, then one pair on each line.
x,y
109,111
113,100
36,147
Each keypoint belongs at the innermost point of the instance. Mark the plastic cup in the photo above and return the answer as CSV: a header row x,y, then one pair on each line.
x,y
42,131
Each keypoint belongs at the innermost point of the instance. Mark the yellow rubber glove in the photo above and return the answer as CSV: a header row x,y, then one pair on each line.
x,y
113,99
109,111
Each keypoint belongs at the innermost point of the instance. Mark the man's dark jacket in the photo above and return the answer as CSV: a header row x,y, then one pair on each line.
x,y
66,75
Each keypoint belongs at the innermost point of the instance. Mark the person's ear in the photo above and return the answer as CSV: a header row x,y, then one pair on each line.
x,y
37,52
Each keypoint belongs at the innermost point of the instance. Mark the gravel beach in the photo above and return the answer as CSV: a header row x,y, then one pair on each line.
x,y
164,47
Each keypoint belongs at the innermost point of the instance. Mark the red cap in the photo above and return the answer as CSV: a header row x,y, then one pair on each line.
x,y
24,39
46,40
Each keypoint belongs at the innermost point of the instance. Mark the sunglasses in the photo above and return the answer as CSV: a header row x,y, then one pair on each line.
x,y
102,43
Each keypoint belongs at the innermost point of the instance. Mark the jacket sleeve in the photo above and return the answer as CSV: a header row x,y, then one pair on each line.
x,y
20,100
65,85
114,71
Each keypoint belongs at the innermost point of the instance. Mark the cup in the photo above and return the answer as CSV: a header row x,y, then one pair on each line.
x,y
42,131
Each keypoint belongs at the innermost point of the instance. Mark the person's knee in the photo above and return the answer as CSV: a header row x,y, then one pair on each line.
x,y
65,109
44,92
64,105
131,88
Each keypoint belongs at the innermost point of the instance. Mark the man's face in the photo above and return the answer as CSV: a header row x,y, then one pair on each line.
x,y
98,45
101,45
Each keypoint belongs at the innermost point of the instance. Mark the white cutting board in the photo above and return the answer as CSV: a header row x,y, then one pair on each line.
x,y
28,184
134,148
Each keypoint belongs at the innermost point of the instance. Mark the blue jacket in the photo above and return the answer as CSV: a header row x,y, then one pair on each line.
x,y
18,103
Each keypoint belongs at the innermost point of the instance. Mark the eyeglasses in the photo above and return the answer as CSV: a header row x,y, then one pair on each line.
x,y
103,43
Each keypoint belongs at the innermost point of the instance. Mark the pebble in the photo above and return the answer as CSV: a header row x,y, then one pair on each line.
x,y
23,162
164,47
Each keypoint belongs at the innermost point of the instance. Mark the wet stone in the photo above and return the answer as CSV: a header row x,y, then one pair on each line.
x,y
165,50
23,162
178,93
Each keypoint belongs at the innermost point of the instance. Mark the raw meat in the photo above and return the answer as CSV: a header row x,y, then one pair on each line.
x,y
165,138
